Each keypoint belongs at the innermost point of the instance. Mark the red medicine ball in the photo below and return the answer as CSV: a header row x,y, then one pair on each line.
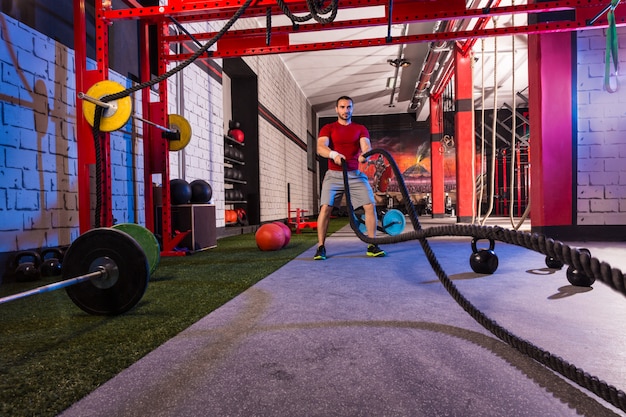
x,y
237,134
270,237
286,231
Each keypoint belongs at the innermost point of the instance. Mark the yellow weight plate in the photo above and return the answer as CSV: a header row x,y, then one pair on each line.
x,y
179,124
114,117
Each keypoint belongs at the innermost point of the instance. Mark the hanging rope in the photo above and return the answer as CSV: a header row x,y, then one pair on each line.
x,y
582,261
513,126
494,128
478,212
611,49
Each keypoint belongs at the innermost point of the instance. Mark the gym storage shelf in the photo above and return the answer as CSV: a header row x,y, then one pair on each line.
x,y
234,188
234,161
232,181
232,140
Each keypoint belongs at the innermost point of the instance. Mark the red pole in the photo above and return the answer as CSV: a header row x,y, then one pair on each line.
x,y
519,181
436,157
551,57
505,200
147,141
464,134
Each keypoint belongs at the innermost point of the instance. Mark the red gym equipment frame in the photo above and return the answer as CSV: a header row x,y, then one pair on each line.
x,y
582,14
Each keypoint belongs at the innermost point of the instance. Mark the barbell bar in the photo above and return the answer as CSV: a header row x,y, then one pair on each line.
x,y
105,271
53,286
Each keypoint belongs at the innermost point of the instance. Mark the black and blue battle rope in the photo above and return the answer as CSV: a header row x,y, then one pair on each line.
x,y
581,260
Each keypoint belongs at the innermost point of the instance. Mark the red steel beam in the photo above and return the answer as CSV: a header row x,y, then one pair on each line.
x,y
402,13
256,45
252,42
223,9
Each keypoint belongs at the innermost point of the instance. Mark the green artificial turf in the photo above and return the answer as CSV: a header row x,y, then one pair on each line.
x,y
52,353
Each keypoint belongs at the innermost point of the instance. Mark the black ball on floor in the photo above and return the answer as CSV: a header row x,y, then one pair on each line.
x,y
553,263
180,191
579,278
201,191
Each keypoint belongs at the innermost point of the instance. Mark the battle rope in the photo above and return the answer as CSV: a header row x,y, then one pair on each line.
x,y
611,49
539,243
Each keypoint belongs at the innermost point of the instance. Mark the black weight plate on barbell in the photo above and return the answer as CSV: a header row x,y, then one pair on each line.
x,y
132,271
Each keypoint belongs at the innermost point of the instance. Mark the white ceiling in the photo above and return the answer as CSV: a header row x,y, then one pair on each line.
x,y
364,73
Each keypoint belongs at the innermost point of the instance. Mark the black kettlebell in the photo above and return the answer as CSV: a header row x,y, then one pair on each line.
x,y
27,266
553,263
579,278
51,262
483,261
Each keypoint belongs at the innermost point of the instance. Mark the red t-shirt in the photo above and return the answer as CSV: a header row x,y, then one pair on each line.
x,y
345,139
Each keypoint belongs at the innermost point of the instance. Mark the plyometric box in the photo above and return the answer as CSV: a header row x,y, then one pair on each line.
x,y
200,219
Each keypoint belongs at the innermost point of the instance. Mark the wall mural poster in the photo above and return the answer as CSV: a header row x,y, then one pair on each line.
x,y
411,149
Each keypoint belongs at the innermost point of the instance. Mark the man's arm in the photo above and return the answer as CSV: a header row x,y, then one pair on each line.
x,y
324,150
366,146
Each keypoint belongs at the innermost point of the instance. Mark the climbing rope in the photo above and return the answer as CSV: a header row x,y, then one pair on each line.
x,y
581,260
513,128
494,130
611,49
477,212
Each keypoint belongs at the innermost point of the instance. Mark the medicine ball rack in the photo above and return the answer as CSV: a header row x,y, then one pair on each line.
x,y
234,162
580,259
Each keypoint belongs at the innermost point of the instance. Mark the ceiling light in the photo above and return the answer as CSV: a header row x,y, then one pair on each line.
x,y
398,62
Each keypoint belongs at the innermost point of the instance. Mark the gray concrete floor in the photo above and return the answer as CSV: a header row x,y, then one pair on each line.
x,y
359,336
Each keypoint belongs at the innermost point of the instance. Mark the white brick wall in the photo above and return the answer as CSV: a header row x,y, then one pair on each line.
x,y
202,105
601,187
282,162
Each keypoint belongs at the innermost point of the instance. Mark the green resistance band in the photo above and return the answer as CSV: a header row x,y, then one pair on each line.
x,y
611,49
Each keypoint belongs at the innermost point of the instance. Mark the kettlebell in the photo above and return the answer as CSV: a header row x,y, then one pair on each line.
x,y
579,278
27,266
553,263
483,261
51,262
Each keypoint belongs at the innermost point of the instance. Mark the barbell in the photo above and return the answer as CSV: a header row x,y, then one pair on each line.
x,y
105,270
117,113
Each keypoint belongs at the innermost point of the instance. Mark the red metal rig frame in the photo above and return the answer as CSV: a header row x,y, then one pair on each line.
x,y
576,15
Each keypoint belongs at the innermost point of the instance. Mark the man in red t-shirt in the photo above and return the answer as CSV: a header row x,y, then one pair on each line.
x,y
343,142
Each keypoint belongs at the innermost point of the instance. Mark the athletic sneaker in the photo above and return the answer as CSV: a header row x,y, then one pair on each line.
x,y
374,250
320,255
